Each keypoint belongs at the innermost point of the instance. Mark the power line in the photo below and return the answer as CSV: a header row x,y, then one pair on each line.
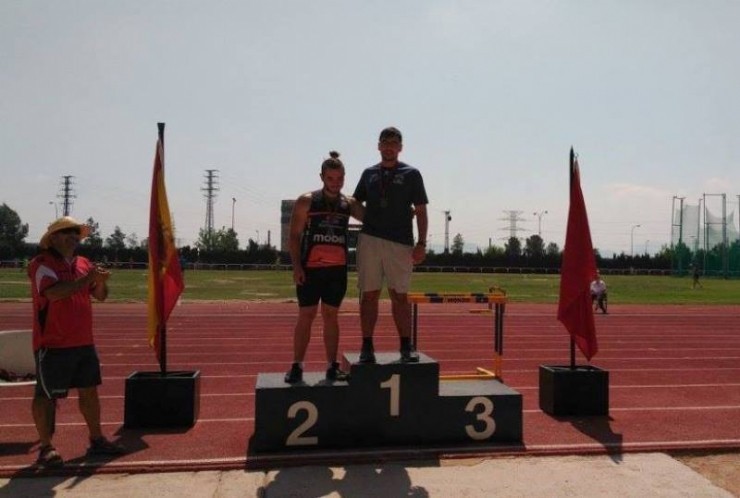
x,y
66,194
513,217
210,194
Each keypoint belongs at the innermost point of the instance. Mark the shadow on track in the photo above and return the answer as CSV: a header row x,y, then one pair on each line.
x,y
364,480
599,429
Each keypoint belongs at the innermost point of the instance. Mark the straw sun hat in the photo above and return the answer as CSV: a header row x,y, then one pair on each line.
x,y
62,224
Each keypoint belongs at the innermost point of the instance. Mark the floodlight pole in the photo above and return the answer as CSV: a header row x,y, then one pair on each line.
x,y
233,202
632,240
539,215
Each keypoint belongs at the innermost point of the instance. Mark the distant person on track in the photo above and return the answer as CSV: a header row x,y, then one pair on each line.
x,y
318,250
598,293
695,273
393,193
64,349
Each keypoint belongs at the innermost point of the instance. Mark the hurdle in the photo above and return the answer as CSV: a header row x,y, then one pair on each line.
x,y
489,309
495,298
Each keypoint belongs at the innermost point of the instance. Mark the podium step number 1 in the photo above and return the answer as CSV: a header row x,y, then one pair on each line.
x,y
384,404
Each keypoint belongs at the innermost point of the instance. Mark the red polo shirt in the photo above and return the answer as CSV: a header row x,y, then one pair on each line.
x,y
67,322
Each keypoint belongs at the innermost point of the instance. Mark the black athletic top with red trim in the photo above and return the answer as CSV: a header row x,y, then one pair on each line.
x,y
324,241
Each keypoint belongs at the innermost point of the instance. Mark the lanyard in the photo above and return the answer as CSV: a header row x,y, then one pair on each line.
x,y
386,180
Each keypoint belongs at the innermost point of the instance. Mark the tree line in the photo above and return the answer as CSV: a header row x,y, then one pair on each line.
x,y
216,246
222,247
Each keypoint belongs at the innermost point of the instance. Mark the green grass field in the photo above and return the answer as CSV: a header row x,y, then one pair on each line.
x,y
131,285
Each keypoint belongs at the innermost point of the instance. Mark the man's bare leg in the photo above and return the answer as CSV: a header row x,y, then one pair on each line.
x,y
301,338
401,309
331,342
89,404
302,331
43,410
331,331
368,320
43,413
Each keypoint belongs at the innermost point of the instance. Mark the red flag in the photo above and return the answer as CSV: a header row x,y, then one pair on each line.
x,y
165,274
577,271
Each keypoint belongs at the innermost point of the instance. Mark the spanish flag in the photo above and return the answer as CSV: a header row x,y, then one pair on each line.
x,y
165,274
577,270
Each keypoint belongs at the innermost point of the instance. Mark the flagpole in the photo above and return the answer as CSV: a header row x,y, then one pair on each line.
x,y
160,289
572,341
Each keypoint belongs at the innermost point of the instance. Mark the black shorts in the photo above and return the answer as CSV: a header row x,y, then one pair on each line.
x,y
59,369
329,285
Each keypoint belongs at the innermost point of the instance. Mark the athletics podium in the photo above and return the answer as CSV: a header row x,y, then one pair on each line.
x,y
384,404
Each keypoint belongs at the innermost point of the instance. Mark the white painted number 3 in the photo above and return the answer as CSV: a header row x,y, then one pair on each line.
x,y
484,416
296,437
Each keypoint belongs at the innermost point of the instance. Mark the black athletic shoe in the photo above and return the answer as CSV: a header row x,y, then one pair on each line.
x,y
49,458
334,373
103,447
295,374
367,355
409,356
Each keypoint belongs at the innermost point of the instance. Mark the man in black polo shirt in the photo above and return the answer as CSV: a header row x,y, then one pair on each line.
x,y
393,193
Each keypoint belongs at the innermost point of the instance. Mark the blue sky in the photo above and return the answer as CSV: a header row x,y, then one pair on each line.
x,y
490,95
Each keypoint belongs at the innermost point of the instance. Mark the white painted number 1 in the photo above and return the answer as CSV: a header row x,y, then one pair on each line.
x,y
394,384
296,437
484,416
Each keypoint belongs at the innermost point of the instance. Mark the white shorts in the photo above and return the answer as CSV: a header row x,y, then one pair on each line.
x,y
379,259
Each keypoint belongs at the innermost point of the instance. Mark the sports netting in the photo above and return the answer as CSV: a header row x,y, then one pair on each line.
x,y
706,236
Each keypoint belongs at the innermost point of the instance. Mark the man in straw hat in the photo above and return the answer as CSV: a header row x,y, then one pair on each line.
x,y
61,286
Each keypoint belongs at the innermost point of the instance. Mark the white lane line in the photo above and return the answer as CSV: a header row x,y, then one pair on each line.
x,y
120,423
661,409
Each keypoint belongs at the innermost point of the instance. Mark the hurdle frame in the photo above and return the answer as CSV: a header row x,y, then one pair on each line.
x,y
496,298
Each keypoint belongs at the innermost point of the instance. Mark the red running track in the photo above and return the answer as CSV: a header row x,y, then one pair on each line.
x,y
674,379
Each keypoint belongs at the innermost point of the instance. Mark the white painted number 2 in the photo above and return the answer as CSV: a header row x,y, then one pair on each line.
x,y
484,416
394,384
296,437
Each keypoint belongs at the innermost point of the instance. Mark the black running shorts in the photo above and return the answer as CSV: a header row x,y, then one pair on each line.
x,y
328,285
59,369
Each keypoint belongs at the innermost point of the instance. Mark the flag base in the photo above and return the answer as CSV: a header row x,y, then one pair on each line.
x,y
579,391
156,400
